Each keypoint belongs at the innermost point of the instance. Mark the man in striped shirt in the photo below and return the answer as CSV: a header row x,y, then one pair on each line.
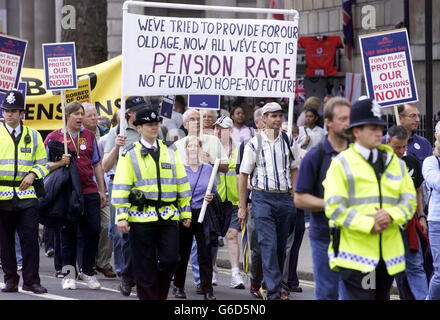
x,y
271,160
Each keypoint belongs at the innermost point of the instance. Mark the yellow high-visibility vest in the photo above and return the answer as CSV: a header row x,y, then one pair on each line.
x,y
227,188
140,173
351,194
18,161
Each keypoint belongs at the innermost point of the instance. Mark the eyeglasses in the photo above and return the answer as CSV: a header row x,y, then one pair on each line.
x,y
413,115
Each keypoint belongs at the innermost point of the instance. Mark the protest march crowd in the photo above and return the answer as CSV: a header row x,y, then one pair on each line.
x,y
168,192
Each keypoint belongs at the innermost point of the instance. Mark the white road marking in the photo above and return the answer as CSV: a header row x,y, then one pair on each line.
x,y
85,284
44,295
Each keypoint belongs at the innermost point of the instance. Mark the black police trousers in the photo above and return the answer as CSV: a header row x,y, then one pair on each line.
x,y
25,222
362,286
155,255
203,254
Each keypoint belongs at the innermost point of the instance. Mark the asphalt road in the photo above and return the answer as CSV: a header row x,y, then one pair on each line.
x,y
109,290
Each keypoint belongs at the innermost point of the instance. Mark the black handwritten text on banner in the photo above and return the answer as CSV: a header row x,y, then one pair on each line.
x,y
195,56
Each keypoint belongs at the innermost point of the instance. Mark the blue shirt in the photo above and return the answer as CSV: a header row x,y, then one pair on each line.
x,y
309,180
198,190
418,147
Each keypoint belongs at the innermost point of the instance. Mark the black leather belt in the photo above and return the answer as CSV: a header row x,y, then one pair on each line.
x,y
10,183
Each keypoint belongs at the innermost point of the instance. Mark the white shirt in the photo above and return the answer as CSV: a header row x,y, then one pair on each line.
x,y
243,134
148,145
210,144
175,122
273,170
316,134
17,129
365,152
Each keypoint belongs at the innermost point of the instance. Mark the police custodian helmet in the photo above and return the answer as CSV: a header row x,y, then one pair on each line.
x,y
365,111
13,101
148,115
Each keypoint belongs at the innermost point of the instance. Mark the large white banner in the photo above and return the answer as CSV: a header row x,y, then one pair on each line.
x,y
167,55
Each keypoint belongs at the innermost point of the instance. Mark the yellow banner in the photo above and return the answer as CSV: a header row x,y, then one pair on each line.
x,y
82,94
44,108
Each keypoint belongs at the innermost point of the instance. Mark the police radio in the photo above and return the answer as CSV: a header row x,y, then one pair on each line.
x,y
27,140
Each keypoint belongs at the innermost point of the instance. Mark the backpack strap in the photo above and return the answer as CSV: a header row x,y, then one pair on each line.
x,y
286,139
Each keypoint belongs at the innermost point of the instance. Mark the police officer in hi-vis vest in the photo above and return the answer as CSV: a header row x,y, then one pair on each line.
x,y
368,196
23,164
151,193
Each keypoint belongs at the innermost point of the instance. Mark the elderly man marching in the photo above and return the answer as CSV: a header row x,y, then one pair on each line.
x,y
151,193
23,163
368,196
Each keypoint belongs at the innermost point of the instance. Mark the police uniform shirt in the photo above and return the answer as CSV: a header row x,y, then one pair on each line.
x,y
365,152
17,129
148,145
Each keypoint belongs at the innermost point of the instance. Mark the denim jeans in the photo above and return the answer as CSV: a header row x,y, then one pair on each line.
x,y
414,270
194,262
272,212
115,236
327,282
434,239
18,250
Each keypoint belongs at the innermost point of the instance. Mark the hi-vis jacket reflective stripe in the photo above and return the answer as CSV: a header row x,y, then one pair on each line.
x,y
351,194
227,188
16,163
135,172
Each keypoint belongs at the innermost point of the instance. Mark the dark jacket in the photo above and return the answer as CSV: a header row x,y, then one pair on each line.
x,y
103,130
217,219
63,201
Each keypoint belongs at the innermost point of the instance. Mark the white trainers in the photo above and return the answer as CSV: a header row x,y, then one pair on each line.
x,y
68,283
91,281
237,281
214,275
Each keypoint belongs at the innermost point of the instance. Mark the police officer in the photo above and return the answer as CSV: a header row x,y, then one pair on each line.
x,y
368,196
23,164
151,194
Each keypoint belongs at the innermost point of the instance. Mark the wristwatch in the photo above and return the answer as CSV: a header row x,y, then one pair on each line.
x,y
421,216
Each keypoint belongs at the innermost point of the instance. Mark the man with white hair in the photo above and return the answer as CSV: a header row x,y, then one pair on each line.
x,y
211,145
90,120
209,117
